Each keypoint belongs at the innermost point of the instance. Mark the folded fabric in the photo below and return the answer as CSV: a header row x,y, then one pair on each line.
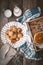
x,y
29,54
25,48
30,14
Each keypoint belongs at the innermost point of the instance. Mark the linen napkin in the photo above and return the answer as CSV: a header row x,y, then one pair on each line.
x,y
29,14
28,50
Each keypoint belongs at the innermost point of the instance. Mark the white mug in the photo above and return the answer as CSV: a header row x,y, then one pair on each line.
x,y
8,13
17,11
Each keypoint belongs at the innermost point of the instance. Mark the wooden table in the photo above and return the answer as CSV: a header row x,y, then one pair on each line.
x,y
4,20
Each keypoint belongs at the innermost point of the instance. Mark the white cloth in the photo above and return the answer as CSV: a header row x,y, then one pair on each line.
x,y
10,54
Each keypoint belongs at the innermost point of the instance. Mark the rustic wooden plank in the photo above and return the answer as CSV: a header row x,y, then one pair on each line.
x,y
3,4
14,3
28,4
3,19
24,5
40,4
33,4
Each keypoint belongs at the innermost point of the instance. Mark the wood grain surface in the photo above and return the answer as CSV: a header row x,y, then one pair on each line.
x,y
23,4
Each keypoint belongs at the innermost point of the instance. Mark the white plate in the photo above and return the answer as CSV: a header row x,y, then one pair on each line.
x,y
40,46
7,26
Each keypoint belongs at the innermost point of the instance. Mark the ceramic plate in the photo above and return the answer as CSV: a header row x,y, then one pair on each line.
x,y
7,26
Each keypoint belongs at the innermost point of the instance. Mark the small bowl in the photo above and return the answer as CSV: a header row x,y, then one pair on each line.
x,y
39,45
8,13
